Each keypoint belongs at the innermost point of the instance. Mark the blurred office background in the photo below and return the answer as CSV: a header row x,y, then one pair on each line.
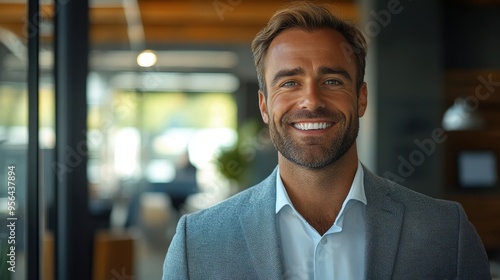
x,y
122,115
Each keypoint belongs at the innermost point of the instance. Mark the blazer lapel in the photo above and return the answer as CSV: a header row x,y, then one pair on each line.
x,y
384,218
258,223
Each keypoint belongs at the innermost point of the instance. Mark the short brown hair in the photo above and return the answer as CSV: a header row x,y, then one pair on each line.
x,y
308,16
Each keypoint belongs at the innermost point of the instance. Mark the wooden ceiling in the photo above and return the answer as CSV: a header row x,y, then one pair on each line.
x,y
167,21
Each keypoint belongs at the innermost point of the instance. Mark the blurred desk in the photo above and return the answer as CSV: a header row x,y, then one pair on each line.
x,y
178,191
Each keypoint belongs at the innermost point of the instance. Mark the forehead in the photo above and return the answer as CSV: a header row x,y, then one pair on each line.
x,y
309,48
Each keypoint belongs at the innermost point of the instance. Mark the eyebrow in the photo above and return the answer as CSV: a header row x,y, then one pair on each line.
x,y
287,73
324,70
337,71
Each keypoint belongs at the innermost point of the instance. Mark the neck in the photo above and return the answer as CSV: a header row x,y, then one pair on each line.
x,y
318,194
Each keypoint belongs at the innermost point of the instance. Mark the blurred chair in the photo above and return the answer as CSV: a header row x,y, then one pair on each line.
x,y
113,256
156,219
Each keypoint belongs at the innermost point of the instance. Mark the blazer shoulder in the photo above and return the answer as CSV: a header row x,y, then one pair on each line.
x,y
381,189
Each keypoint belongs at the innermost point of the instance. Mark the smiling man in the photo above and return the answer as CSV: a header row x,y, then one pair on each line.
x,y
321,214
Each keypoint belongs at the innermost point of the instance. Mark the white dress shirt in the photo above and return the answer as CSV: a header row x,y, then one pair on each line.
x,y
339,253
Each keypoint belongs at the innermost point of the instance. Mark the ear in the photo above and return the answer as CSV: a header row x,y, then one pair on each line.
x,y
263,107
362,100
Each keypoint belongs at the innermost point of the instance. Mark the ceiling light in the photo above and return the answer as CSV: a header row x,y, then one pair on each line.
x,y
146,58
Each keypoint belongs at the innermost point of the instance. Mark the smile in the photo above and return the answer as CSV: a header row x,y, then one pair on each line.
x,y
312,125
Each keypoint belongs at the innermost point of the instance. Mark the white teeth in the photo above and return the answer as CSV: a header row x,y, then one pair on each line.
x,y
310,126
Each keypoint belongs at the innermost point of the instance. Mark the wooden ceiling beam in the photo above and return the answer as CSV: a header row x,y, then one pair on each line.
x,y
14,13
107,15
247,12
185,34
190,21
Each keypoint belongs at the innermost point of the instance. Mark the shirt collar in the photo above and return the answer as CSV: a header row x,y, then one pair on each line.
x,y
357,191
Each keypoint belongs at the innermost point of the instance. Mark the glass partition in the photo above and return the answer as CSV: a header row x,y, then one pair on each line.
x,y
13,140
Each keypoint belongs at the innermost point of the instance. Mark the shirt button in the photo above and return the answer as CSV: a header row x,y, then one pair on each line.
x,y
324,241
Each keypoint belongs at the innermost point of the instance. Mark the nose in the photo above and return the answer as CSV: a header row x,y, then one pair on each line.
x,y
311,98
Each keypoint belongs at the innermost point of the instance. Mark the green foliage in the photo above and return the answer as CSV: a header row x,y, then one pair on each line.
x,y
235,163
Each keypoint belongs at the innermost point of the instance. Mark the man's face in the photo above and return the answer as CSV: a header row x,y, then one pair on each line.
x,y
312,107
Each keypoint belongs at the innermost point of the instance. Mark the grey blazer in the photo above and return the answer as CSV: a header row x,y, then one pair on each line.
x,y
409,236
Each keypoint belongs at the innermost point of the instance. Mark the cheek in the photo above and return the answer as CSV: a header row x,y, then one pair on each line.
x,y
286,101
346,104
278,109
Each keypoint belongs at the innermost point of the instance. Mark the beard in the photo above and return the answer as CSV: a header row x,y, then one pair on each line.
x,y
315,152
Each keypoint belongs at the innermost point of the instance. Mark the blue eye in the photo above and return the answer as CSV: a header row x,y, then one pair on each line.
x,y
289,84
333,82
